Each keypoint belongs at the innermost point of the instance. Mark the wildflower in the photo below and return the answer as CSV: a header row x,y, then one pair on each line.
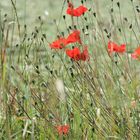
x,y
113,47
58,44
85,54
74,37
136,54
75,54
76,11
63,129
46,13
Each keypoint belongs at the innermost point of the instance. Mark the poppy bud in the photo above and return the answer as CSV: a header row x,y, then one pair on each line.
x,y
94,14
36,30
116,62
44,36
75,27
85,18
51,71
64,17
138,10
12,67
27,56
93,129
37,71
130,27
70,28
108,36
39,17
118,4
37,67
46,67
71,72
106,30
87,27
25,26
34,36
119,29
126,19
89,9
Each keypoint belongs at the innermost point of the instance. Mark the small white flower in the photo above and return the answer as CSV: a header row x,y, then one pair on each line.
x,y
46,13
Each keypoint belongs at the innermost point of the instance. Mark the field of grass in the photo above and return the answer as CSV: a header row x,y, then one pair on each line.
x,y
45,95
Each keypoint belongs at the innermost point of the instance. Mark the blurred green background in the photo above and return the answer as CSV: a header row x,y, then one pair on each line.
x,y
29,10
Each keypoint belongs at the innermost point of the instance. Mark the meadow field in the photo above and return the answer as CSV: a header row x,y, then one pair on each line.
x,y
69,70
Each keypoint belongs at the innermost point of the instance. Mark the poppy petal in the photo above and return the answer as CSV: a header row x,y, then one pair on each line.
x,y
74,37
74,53
85,54
76,11
80,10
58,44
136,53
113,47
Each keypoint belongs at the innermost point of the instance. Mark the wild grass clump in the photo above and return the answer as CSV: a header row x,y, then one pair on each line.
x,y
80,83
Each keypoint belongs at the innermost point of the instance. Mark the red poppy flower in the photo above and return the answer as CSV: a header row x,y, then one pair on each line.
x,y
113,47
74,37
58,44
63,129
75,54
76,11
136,54
85,54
